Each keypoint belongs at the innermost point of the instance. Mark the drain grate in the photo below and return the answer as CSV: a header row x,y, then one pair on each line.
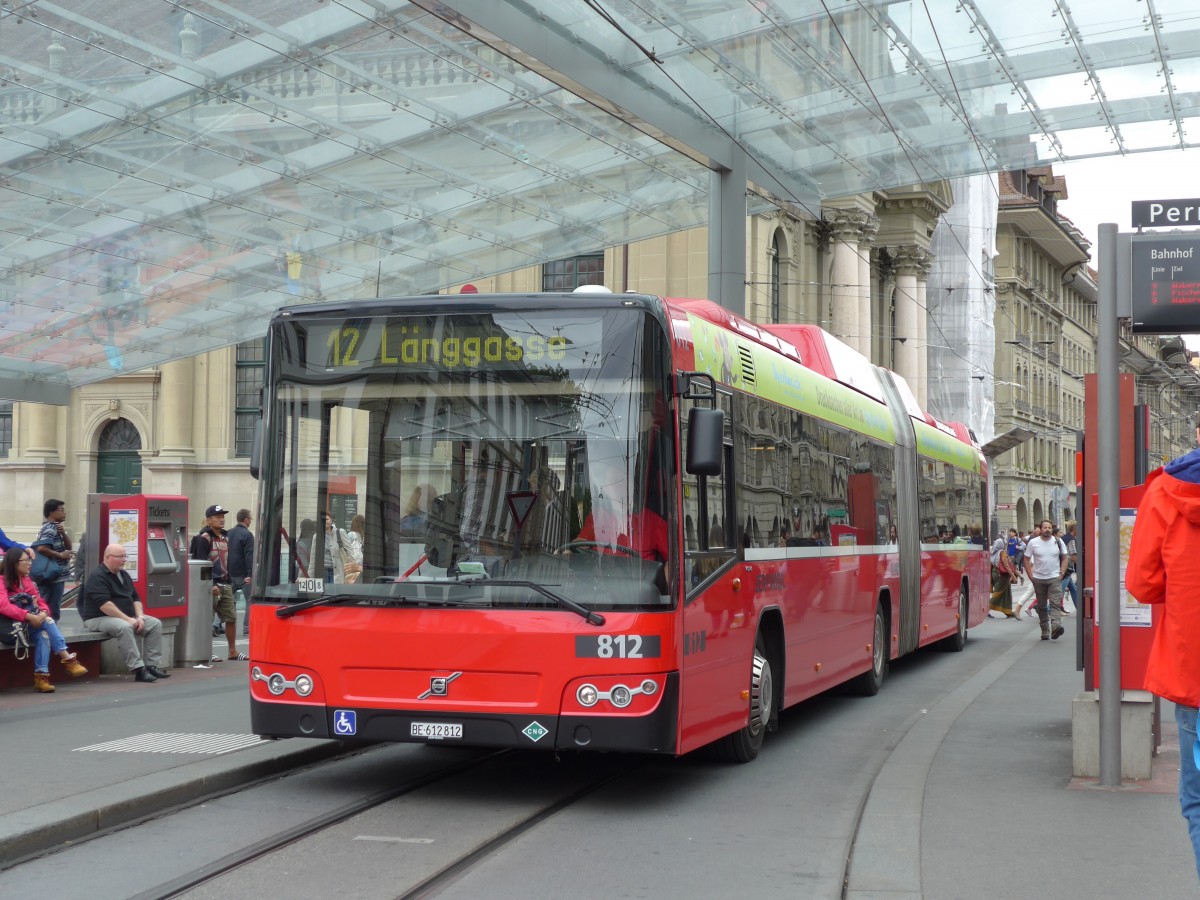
x,y
211,744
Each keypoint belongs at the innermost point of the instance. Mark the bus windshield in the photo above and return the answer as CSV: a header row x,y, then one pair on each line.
x,y
466,457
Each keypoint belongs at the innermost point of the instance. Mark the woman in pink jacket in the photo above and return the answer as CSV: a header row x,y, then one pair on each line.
x,y
20,600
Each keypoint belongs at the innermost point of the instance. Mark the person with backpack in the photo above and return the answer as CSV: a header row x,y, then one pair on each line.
x,y
54,544
211,544
1046,563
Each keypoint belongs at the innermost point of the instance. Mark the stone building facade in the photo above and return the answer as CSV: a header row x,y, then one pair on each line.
x,y
1046,325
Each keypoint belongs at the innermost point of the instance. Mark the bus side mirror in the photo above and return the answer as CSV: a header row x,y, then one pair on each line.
x,y
705,440
256,451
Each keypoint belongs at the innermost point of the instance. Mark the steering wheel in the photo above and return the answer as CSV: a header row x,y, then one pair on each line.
x,y
596,546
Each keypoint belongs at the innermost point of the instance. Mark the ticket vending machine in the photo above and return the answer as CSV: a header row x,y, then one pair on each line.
x,y
153,530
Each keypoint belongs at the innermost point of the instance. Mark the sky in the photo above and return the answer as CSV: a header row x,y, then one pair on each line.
x,y
1101,190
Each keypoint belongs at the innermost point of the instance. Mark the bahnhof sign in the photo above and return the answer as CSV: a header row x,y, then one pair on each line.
x,y
1166,284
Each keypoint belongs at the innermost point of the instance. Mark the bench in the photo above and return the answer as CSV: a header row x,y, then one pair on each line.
x,y
95,655
18,673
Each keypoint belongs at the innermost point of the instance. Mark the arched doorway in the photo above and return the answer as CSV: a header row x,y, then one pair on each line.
x,y
118,463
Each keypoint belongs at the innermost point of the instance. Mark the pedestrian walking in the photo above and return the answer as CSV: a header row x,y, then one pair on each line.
x,y
1163,570
1046,564
241,562
1070,582
1004,575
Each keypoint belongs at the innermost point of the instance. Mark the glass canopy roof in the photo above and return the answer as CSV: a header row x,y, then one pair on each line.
x,y
173,171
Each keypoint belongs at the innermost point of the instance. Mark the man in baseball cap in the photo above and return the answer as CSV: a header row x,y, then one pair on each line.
x,y
212,544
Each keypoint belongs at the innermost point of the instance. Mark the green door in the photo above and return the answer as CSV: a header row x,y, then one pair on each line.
x,y
118,463
119,472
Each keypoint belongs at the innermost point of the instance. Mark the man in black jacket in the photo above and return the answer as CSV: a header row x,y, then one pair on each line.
x,y
241,560
110,605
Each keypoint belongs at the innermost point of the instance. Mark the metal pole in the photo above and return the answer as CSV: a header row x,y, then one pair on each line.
x,y
1108,528
727,234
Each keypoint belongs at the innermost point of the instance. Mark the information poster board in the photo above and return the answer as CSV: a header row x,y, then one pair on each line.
x,y
123,526
1133,613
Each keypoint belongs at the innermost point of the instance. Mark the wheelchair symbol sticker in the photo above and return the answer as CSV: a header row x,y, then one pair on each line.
x,y
344,722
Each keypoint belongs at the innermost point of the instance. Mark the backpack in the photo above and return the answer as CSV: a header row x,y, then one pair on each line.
x,y
200,546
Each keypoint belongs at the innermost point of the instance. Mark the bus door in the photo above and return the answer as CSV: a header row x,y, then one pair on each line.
x,y
715,638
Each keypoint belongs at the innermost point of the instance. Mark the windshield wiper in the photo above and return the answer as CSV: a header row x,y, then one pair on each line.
x,y
593,618
325,600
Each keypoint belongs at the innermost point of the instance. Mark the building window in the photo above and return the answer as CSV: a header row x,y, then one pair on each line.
x,y
5,428
119,436
776,278
568,274
251,360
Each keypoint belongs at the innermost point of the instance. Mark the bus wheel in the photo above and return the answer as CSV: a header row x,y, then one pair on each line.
x,y
958,640
743,745
869,682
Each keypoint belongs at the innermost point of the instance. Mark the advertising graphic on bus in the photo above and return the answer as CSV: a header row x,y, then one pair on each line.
x,y
592,521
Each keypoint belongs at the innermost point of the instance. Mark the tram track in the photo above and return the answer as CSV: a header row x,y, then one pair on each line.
x,y
202,875
428,884
450,873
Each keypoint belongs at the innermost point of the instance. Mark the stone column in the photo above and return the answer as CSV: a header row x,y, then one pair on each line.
x,y
40,424
846,226
867,326
922,385
811,287
343,436
907,260
175,405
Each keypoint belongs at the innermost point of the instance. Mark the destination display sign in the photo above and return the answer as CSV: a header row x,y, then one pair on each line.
x,y
1166,284
462,343
1165,213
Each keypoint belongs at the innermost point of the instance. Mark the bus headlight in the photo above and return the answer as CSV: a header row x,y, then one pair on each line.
x,y
620,696
278,684
587,695
649,687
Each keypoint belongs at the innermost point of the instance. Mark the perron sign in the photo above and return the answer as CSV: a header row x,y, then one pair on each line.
x,y
1165,213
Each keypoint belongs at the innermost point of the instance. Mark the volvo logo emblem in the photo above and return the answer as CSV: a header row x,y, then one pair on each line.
x,y
439,686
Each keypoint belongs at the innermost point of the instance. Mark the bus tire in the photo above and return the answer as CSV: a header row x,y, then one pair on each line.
x,y
869,682
958,640
743,745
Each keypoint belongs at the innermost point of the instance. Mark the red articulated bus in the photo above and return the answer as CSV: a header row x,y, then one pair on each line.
x,y
593,521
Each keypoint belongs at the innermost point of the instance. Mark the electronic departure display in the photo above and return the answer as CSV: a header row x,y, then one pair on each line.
x,y
1166,284
450,343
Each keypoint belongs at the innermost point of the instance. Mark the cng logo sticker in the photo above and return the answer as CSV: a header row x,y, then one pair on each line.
x,y
534,731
